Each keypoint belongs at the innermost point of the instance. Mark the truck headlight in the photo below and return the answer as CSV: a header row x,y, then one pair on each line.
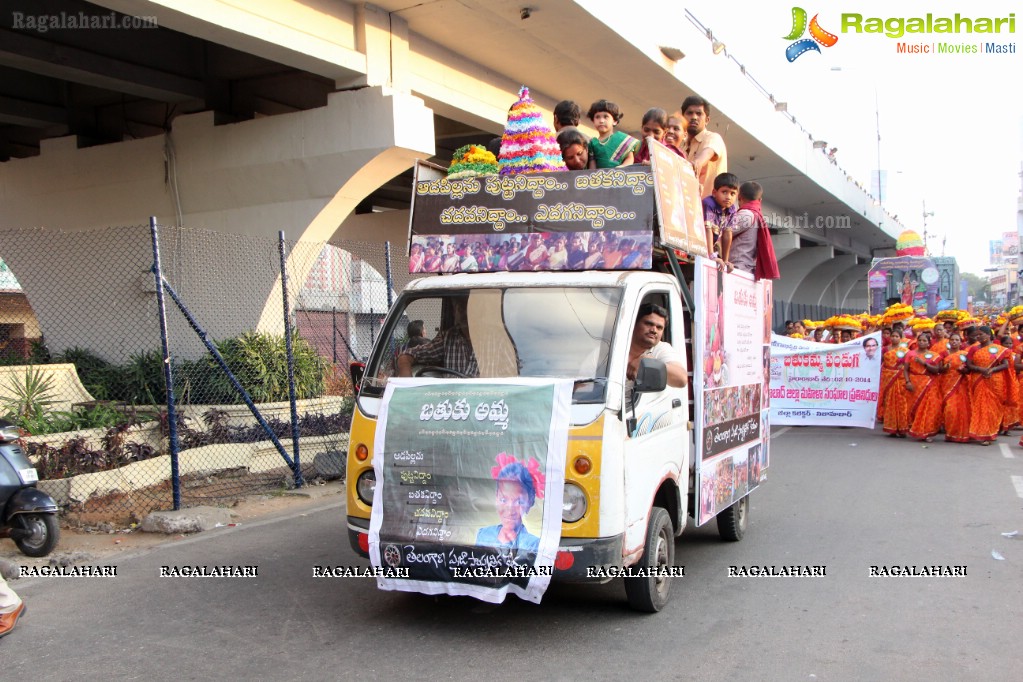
x,y
365,486
573,506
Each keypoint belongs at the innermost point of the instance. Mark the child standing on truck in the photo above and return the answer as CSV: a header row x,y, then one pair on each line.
x,y
746,245
611,148
719,210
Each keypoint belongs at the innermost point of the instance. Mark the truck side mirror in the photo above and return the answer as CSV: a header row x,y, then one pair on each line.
x,y
356,370
651,376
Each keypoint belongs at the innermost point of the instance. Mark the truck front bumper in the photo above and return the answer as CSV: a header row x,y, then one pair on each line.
x,y
576,558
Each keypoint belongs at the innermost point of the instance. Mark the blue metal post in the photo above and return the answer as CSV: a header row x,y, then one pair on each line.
x,y
168,373
297,466
387,269
205,338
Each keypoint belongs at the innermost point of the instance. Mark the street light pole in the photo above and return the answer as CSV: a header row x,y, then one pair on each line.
x,y
928,214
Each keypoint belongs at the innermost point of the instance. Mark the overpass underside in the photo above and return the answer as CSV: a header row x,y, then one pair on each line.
x,y
307,116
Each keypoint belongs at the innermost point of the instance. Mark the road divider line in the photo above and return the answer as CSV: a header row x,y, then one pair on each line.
x,y
1017,481
1006,452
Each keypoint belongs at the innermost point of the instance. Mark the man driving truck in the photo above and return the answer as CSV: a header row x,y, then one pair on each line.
x,y
451,349
647,343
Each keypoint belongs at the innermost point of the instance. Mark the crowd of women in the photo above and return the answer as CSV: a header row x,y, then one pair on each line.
x,y
954,374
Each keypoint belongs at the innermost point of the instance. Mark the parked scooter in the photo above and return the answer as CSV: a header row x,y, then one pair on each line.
x,y
29,515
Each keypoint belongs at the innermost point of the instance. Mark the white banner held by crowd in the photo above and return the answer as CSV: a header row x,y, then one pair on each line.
x,y
820,384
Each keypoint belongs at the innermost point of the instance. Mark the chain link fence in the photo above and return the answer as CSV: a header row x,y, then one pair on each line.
x,y
81,364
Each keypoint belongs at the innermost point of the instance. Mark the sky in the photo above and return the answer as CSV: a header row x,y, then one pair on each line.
x,y
951,125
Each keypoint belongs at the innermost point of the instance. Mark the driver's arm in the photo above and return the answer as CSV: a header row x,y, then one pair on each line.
x,y
672,360
404,365
677,377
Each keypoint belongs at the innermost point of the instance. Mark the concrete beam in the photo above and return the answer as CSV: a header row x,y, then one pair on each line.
x,y
836,291
784,244
317,36
816,284
63,62
796,266
854,281
31,114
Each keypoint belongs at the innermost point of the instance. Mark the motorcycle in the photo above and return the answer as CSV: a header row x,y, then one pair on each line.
x,y
29,516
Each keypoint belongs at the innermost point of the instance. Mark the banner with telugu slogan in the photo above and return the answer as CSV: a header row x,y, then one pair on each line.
x,y
470,481
823,384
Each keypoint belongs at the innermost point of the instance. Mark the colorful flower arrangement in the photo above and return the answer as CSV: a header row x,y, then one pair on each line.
x,y
529,144
967,322
897,313
470,161
922,324
847,322
951,316
1015,314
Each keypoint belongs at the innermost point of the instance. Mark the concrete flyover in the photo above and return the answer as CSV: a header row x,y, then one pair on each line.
x,y
305,116
797,266
304,172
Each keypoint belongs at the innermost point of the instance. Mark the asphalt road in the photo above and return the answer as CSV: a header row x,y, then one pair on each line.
x,y
846,499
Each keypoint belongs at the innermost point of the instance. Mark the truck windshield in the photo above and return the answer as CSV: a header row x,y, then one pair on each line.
x,y
562,332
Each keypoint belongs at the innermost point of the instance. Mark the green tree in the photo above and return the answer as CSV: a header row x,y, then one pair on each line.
x,y
977,286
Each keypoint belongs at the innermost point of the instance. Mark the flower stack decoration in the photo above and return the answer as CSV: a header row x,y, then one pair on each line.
x,y
952,316
1015,315
528,144
922,324
846,322
909,243
470,161
898,312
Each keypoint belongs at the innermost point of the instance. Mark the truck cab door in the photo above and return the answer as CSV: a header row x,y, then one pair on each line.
x,y
656,448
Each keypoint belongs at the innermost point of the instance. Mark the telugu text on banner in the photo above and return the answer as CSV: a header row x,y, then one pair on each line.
x,y
470,479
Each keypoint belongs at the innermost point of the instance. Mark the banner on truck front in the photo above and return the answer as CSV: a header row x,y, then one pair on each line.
x,y
731,370
470,480
823,384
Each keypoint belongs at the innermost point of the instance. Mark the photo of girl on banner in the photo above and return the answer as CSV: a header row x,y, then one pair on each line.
x,y
469,485
518,487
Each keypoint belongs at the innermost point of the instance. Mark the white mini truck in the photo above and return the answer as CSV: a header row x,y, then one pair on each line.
x,y
630,480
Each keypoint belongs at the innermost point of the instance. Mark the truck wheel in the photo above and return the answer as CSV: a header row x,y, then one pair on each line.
x,y
732,521
43,533
650,593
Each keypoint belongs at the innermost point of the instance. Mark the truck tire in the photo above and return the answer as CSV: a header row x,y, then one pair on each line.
x,y
732,521
650,593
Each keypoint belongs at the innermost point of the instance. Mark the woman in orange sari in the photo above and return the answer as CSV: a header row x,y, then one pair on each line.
x,y
893,391
955,392
988,362
939,340
889,369
921,370
1010,411
1017,348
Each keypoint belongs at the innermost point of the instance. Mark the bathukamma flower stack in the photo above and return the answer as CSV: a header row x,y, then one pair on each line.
x,y
472,160
528,144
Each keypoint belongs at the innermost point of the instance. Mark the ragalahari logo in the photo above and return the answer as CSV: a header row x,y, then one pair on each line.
x,y
817,35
